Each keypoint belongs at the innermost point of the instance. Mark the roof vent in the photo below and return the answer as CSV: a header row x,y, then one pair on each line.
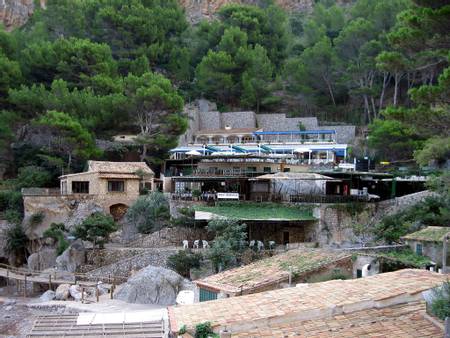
x,y
227,127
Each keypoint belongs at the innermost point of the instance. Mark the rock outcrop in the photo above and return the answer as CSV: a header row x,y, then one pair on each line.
x,y
47,296
153,285
72,257
41,260
197,10
15,13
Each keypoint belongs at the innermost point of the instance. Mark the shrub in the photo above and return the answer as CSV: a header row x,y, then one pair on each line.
x,y
204,330
13,216
16,241
96,229
36,218
149,213
33,176
56,231
186,218
440,304
182,262
11,200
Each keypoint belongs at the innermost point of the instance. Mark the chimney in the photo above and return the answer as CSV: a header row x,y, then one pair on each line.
x,y
227,334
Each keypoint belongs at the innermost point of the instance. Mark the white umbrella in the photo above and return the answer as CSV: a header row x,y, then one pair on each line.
x,y
193,153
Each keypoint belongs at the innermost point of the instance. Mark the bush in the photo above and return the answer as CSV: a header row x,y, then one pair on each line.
x,y
33,177
96,229
36,218
440,304
56,231
186,218
16,241
13,216
204,330
182,262
11,200
149,213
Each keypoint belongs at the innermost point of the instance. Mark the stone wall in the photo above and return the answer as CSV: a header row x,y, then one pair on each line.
x,y
279,122
204,115
125,267
243,119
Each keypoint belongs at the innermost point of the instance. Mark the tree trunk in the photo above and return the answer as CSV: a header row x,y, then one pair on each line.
x,y
330,90
386,78
396,79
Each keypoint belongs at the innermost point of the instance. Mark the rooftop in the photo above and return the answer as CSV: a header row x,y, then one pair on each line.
x,y
293,176
307,302
226,131
429,234
258,211
272,270
121,169
403,320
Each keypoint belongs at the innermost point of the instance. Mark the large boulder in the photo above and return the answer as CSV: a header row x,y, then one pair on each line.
x,y
72,257
62,292
41,260
48,296
153,285
75,292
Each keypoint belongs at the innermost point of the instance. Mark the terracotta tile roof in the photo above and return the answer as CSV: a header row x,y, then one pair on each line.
x,y
429,234
272,270
311,301
118,167
404,320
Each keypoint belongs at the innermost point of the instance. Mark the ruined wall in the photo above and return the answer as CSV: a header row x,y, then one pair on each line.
x,y
277,122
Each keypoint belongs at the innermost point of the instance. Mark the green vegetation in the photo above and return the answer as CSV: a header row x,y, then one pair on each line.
x,y
96,229
433,211
56,231
258,211
204,330
36,218
229,242
183,261
335,274
440,303
16,243
149,213
407,258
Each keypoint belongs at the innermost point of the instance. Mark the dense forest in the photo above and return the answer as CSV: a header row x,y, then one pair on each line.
x,y
81,71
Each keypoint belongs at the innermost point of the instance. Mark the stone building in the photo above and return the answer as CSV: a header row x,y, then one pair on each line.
x,y
429,242
115,185
109,187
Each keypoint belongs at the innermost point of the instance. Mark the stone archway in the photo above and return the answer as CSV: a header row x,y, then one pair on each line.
x,y
118,210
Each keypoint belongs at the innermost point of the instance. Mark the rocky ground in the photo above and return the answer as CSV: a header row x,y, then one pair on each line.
x,y
16,317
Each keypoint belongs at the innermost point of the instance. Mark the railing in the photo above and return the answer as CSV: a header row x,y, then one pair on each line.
x,y
41,192
55,276
305,198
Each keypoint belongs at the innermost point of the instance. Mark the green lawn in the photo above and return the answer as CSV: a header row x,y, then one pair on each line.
x,y
259,211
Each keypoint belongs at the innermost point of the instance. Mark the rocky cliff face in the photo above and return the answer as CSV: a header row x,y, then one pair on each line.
x,y
205,9
14,13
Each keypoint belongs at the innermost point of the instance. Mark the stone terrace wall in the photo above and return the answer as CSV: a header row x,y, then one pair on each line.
x,y
344,134
279,122
242,119
155,257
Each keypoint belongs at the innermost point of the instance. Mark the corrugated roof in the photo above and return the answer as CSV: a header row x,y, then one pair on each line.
x,y
429,234
272,270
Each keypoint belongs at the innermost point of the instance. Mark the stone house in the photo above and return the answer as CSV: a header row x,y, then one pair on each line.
x,y
115,185
429,242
